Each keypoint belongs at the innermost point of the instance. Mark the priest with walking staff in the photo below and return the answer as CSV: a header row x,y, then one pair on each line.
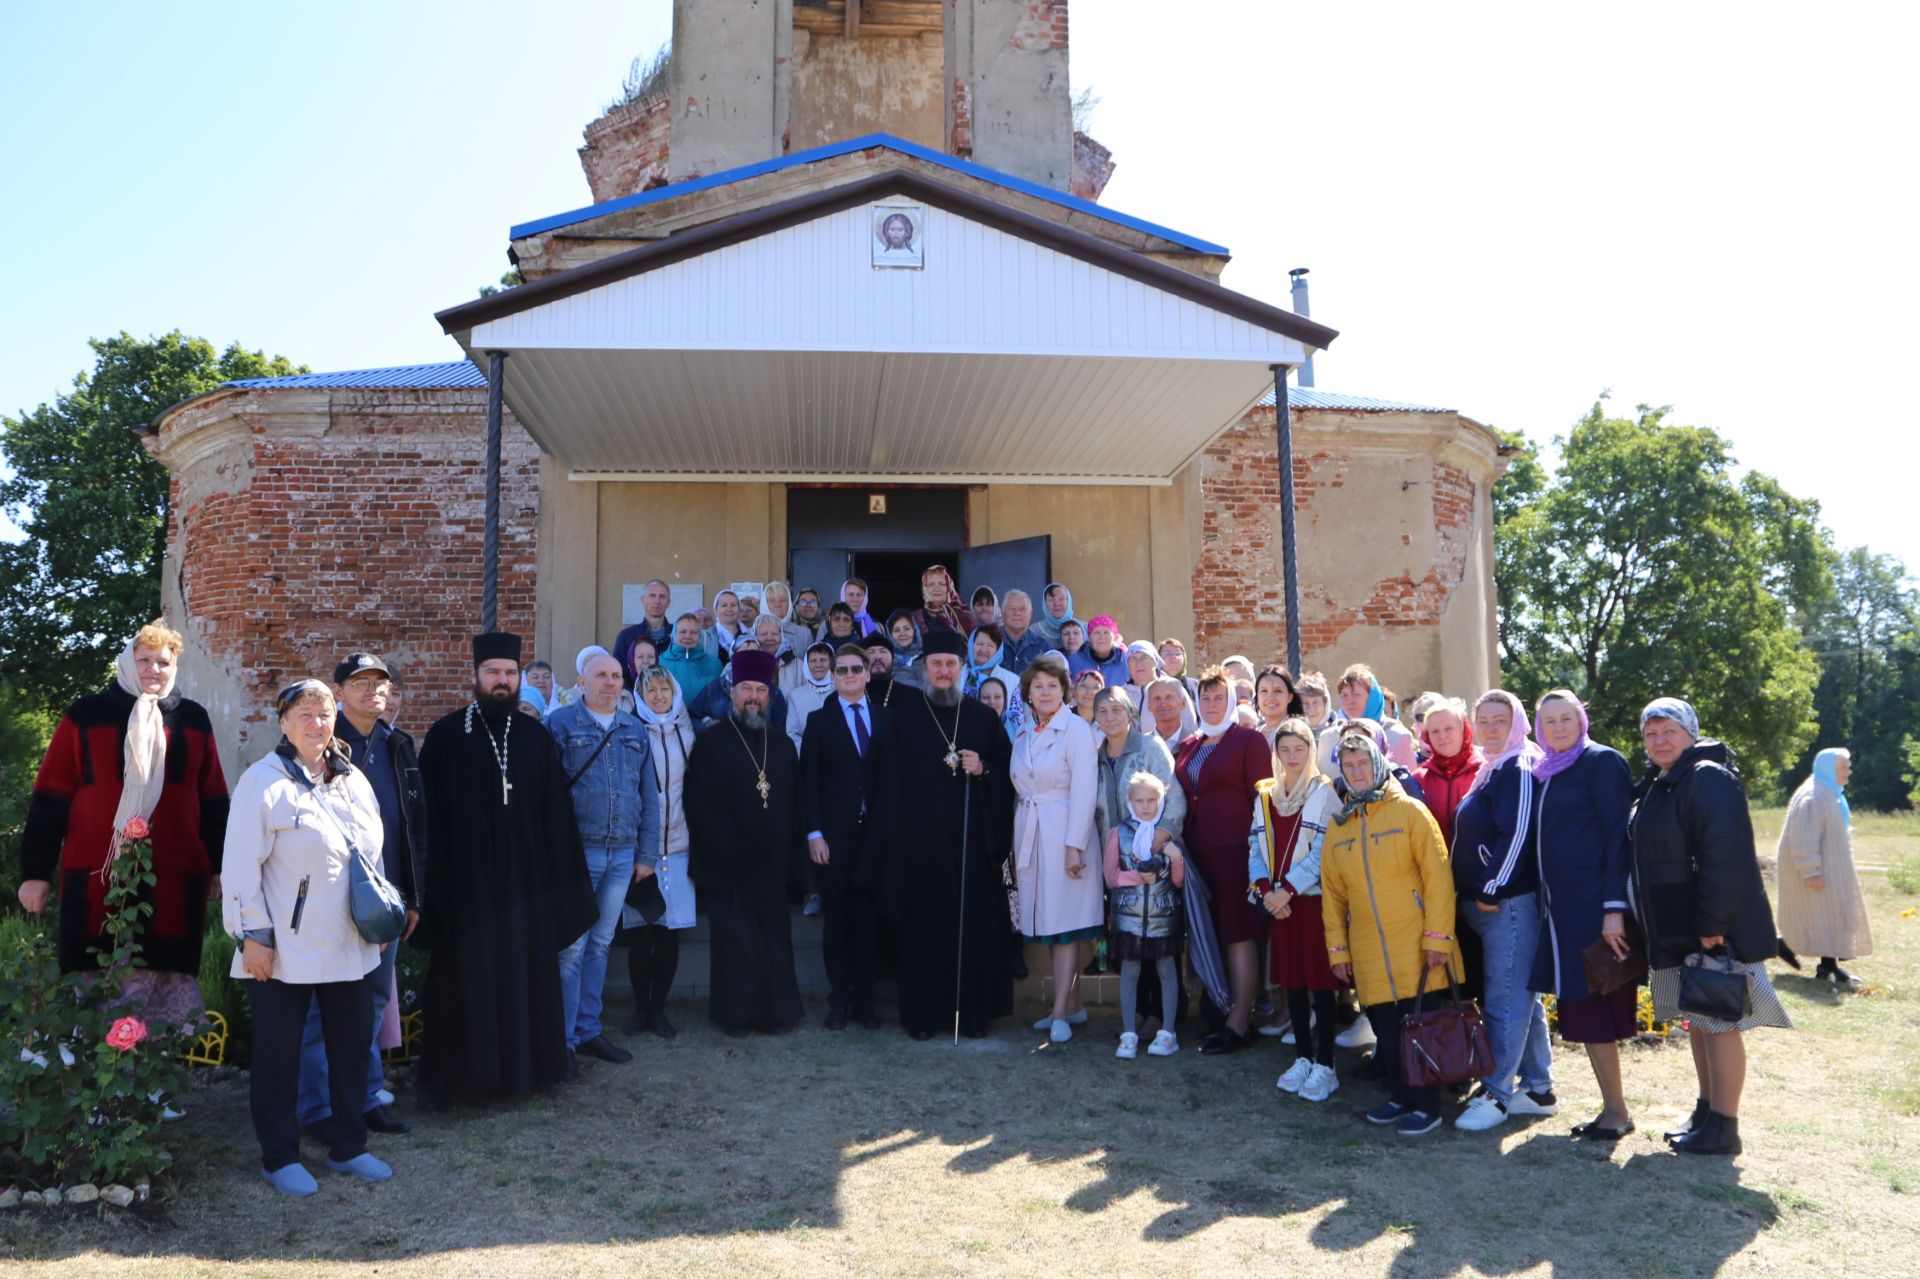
x,y
941,827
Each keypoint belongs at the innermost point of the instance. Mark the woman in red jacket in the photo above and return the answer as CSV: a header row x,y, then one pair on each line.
x,y
1452,762
1219,769
135,750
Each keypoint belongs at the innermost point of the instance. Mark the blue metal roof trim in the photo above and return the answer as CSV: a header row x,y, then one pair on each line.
x,y
460,373
828,152
1307,397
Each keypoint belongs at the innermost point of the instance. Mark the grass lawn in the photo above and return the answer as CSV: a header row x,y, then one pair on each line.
x,y
863,1153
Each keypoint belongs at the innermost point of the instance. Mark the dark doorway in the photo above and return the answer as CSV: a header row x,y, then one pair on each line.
x,y
893,577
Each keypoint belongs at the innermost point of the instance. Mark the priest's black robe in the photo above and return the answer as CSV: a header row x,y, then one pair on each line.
x,y
913,860
745,858
506,892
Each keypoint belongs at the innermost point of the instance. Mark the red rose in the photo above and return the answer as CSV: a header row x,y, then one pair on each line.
x,y
126,1033
136,828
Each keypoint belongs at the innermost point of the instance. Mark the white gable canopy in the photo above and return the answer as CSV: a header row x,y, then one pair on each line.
x,y
769,346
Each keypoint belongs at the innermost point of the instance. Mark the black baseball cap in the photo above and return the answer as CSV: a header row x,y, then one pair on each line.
x,y
354,663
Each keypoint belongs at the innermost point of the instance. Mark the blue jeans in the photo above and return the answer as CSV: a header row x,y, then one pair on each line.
x,y
315,1102
1516,1023
583,965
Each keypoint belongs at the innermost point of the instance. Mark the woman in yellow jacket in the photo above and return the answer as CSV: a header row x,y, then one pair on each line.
x,y
1387,896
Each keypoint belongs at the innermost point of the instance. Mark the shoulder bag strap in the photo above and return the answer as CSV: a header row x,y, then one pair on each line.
x,y
604,739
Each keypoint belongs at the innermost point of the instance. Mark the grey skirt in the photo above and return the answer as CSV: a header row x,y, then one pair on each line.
x,y
1766,1004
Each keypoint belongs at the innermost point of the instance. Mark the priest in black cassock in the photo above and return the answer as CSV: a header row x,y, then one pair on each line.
x,y
507,891
935,756
747,853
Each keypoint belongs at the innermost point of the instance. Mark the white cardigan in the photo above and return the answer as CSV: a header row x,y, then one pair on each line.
x,y
278,835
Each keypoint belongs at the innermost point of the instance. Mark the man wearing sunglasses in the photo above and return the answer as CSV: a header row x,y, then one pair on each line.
x,y
836,775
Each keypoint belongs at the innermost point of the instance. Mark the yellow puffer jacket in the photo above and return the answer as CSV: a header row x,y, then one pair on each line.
x,y
1384,871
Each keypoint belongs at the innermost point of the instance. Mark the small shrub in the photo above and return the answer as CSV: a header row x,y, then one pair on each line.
x,y
85,1079
1905,876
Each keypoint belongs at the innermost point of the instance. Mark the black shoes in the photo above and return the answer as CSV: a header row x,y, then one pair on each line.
x,y
1701,1109
606,1050
837,1018
1716,1135
870,1021
921,1036
1225,1040
638,1024
571,1071
380,1119
662,1027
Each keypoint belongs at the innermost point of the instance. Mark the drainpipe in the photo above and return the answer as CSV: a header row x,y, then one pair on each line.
x,y
1283,429
490,553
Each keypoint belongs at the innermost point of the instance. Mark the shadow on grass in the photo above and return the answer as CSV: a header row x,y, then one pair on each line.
x,y
709,1138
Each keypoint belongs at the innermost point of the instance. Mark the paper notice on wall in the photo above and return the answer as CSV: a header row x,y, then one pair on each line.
x,y
756,589
682,597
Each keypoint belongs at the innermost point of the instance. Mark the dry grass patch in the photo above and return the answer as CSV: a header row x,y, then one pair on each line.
x,y
863,1153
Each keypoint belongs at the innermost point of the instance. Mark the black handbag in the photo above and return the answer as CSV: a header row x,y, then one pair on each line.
x,y
1710,987
646,899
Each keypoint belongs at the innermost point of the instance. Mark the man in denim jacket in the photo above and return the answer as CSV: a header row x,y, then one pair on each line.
x,y
616,803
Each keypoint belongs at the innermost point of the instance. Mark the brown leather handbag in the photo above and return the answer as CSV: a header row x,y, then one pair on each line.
x,y
1446,1044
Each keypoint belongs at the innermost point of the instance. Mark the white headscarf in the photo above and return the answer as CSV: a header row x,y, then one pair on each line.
x,y
587,654
1142,847
649,716
145,754
1226,721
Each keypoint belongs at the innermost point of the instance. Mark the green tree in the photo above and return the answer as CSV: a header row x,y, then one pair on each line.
x,y
1644,568
1515,548
1868,699
93,507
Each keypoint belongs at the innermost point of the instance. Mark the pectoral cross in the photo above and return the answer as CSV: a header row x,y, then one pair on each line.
x,y
765,788
953,762
505,788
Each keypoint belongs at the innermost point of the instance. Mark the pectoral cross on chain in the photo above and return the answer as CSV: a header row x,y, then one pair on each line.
x,y
506,788
765,788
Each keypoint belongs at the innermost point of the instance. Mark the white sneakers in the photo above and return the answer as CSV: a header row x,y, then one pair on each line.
x,y
1129,1046
1321,1084
1165,1044
1295,1076
1534,1103
1309,1080
1358,1035
1482,1113
1073,1019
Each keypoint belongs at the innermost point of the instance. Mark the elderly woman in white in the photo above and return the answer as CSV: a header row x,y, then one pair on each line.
x,y
1056,861
300,817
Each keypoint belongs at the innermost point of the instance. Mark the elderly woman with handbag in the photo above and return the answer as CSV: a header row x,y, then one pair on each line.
x,y
1697,889
1386,896
306,903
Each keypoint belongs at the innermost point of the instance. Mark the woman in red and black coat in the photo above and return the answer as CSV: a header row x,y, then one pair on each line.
x,y
1219,768
134,750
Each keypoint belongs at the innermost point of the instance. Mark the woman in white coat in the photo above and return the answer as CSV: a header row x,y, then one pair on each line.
x,y
1821,910
1056,862
301,817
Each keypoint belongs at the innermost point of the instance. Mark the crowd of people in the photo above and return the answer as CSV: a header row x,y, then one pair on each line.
x,y
951,789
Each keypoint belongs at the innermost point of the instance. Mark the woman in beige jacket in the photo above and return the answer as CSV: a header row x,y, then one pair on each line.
x,y
1821,910
300,818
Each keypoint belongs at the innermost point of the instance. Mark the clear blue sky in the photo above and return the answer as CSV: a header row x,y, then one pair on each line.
x,y
1507,208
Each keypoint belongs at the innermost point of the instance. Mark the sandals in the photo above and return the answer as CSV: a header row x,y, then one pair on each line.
x,y
1593,1131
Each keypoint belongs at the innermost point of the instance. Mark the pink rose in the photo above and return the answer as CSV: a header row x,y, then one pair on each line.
x,y
126,1033
136,828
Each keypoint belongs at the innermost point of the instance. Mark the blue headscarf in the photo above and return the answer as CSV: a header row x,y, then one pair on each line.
x,y
531,696
1826,771
1047,624
1376,702
977,671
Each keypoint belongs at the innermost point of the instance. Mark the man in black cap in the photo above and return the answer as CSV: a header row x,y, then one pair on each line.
x,y
747,854
941,828
508,892
363,686
881,686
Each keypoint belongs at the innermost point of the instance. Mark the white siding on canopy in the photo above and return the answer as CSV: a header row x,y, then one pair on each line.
x,y
812,287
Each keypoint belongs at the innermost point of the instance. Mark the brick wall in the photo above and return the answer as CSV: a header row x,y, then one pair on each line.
x,y
626,149
289,549
1238,590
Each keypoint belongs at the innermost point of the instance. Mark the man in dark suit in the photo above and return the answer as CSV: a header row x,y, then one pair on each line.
x,y
836,771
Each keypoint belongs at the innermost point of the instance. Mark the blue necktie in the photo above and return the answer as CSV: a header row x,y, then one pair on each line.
x,y
860,727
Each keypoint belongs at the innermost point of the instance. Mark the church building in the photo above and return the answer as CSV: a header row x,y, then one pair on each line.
x,y
844,302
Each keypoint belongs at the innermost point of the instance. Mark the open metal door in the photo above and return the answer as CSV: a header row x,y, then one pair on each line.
x,y
1025,562
823,570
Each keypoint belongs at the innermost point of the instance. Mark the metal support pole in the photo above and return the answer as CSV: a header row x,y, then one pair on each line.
x,y
490,554
1289,550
